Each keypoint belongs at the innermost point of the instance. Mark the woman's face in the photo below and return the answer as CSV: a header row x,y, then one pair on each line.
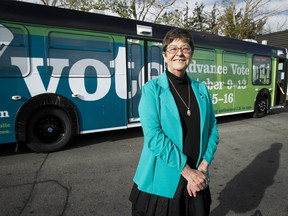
x,y
177,56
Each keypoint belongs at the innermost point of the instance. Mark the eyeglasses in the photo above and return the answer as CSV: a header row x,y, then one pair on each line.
x,y
174,50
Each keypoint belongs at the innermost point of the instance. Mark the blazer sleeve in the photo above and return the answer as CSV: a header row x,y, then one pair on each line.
x,y
213,137
155,140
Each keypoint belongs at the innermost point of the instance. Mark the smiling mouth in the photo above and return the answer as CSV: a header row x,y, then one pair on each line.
x,y
179,60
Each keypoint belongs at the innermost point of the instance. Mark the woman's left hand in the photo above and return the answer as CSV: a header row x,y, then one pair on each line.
x,y
192,189
203,166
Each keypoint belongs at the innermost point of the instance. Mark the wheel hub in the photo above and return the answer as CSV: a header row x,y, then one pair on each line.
x,y
49,129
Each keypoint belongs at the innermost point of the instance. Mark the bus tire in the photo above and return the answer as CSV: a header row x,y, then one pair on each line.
x,y
261,106
49,129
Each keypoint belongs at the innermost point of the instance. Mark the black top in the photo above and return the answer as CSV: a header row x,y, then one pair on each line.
x,y
190,124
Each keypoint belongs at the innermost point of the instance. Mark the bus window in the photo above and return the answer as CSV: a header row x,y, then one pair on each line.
x,y
261,70
203,65
14,47
237,69
281,74
155,62
77,48
135,75
280,98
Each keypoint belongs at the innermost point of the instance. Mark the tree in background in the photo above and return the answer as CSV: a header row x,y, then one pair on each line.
x,y
172,18
71,4
242,23
232,18
198,20
212,20
144,10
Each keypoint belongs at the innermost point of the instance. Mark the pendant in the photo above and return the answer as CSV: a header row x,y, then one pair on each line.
x,y
188,112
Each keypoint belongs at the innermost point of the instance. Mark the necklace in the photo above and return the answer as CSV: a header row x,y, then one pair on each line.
x,y
187,106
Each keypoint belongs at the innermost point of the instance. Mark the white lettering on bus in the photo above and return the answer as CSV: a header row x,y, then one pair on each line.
x,y
4,114
78,85
120,60
240,70
34,82
217,85
156,66
36,86
205,68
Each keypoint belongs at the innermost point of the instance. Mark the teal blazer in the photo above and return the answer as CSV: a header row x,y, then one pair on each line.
x,y
162,158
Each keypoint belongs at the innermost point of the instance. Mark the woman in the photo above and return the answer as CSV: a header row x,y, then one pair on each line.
x,y
180,138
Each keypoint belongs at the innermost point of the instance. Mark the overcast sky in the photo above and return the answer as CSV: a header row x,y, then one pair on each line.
x,y
279,21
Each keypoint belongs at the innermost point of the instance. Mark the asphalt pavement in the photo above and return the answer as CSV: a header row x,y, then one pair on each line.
x,y
93,176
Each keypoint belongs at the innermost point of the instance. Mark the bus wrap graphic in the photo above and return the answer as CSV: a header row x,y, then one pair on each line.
x,y
60,77
6,38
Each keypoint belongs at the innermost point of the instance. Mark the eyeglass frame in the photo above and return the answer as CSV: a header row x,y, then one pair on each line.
x,y
176,49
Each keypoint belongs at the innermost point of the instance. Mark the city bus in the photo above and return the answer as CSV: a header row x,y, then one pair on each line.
x,y
65,72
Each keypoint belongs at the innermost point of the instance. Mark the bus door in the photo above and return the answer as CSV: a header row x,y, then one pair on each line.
x,y
154,60
135,76
281,82
144,62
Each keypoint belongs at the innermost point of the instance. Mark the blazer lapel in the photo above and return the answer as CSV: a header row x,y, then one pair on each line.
x,y
166,95
200,97
168,106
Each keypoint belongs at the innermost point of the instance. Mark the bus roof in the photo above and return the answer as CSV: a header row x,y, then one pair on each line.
x,y
23,12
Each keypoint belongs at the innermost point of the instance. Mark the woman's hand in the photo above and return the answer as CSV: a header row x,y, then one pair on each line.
x,y
192,189
203,166
197,180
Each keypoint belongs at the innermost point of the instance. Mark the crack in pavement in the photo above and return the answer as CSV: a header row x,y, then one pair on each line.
x,y
35,183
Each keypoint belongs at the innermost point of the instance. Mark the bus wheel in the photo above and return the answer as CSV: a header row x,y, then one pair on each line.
x,y
49,129
261,107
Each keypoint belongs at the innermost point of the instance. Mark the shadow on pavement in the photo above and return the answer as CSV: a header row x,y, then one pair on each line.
x,y
246,190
